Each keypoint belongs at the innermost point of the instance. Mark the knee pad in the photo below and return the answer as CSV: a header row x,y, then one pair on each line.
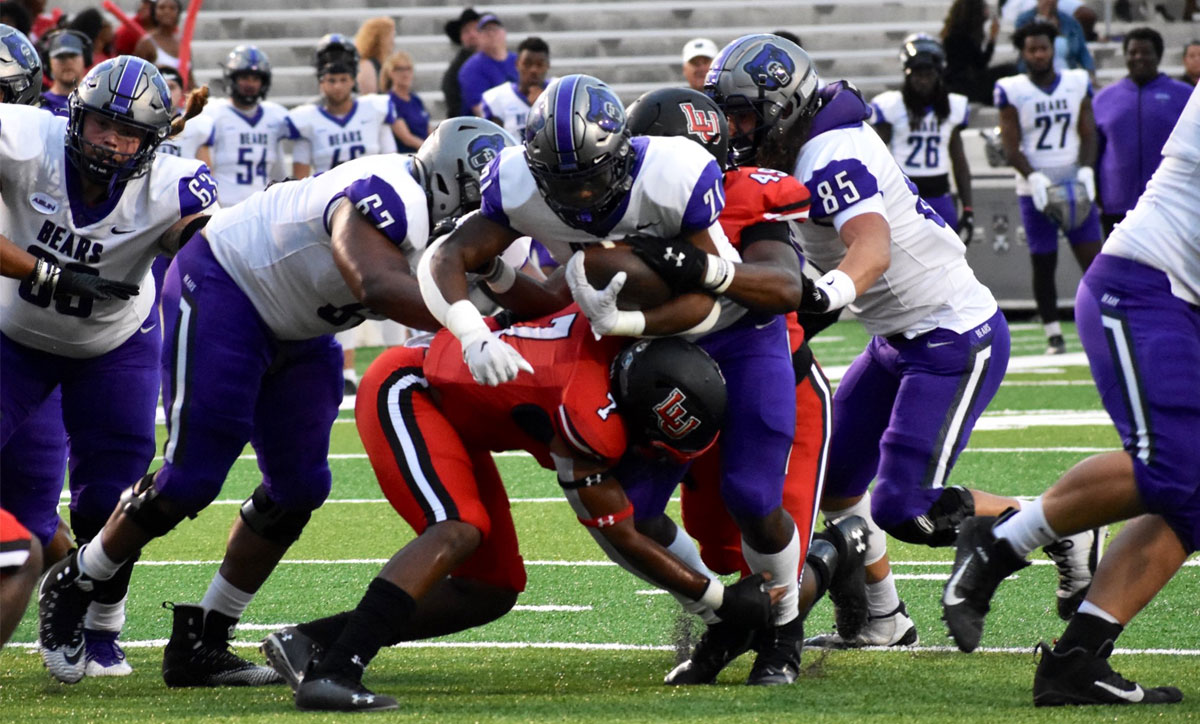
x,y
939,525
268,519
141,504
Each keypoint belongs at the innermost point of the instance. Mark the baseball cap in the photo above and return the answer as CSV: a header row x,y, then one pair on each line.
x,y
65,43
699,46
488,18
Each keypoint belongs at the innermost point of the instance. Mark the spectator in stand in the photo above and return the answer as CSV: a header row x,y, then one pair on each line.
x,y
508,104
1191,63
165,31
697,56
1134,117
129,38
42,22
464,33
70,55
375,40
14,14
1077,9
969,49
491,65
411,126
1070,47
93,24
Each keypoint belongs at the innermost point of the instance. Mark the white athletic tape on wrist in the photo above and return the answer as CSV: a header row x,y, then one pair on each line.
x,y
465,322
714,594
628,324
838,285
718,274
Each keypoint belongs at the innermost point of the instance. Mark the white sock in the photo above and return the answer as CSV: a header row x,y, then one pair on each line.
x,y
95,563
685,550
1093,610
349,373
223,597
882,597
105,616
1028,529
785,572
1053,329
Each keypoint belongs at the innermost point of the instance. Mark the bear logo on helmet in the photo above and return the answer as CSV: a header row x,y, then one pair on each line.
x,y
771,69
483,149
604,109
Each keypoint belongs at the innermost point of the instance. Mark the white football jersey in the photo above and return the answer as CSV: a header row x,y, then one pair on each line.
x,y
247,151
1049,120
510,109
324,141
850,171
276,245
924,151
194,135
1163,230
42,211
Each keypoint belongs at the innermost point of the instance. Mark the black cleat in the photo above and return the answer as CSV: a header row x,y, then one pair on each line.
x,y
1079,677
334,693
63,599
1056,345
980,563
198,652
848,584
778,659
721,643
291,653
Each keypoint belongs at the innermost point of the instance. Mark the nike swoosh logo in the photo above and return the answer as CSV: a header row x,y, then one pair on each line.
x,y
764,325
1133,697
72,657
931,345
116,230
951,597
644,226
145,330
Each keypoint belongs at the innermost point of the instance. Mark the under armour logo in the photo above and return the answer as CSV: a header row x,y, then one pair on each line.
x,y
362,698
606,520
671,255
860,545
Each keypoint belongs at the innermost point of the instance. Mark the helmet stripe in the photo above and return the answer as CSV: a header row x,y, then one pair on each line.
x,y
564,123
126,85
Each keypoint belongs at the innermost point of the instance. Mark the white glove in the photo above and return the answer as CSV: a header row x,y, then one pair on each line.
x,y
600,305
1086,176
490,359
1039,189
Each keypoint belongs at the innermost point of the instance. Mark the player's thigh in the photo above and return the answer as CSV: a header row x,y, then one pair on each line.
x,y
705,517
28,377
1143,345
862,407
297,404
498,560
33,464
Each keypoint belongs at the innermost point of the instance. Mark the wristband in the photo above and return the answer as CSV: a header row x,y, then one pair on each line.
x,y
45,272
502,277
465,322
839,287
718,274
628,324
714,594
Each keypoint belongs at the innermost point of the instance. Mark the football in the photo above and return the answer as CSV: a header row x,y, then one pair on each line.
x,y
644,288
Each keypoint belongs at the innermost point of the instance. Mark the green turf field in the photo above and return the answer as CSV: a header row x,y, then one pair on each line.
x,y
589,643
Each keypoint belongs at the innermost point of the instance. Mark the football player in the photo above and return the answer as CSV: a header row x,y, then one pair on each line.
x,y
20,68
429,430
1049,137
339,127
922,123
508,104
939,343
250,306
102,203
1138,310
581,180
248,131
759,203
20,566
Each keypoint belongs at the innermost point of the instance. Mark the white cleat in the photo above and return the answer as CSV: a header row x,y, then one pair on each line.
x,y
891,629
1075,557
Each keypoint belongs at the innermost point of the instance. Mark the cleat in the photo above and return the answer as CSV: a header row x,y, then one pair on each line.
x,y
1075,557
103,654
349,387
1079,677
778,661
848,586
198,653
63,599
980,563
335,693
890,629
291,653
721,643
1056,345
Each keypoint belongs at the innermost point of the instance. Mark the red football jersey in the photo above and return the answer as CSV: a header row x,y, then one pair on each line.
x,y
568,393
755,195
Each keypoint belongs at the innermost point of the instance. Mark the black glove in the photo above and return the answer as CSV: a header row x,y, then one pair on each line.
x,y
443,227
814,299
67,283
681,264
966,225
746,603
